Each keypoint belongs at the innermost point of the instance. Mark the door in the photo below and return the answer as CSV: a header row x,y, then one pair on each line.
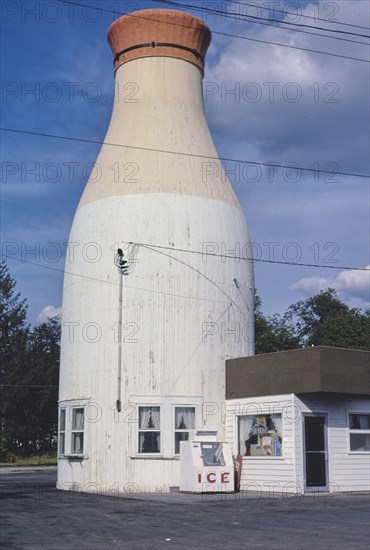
x,y
315,450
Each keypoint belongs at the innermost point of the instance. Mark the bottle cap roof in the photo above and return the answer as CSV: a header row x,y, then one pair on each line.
x,y
160,33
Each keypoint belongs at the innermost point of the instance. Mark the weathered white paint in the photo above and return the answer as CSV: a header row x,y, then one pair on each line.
x,y
169,297
346,471
271,473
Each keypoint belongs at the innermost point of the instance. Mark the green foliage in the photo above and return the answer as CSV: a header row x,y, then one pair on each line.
x,y
322,320
272,333
29,358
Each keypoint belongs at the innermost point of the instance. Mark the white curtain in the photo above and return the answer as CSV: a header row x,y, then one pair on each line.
x,y
185,418
278,421
77,443
149,418
245,426
149,421
78,419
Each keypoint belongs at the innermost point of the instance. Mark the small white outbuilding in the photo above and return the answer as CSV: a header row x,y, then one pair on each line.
x,y
300,420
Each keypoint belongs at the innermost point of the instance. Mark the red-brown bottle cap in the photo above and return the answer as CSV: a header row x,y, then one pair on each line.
x,y
159,32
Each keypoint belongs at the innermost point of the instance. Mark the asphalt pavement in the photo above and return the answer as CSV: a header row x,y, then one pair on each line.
x,y
35,515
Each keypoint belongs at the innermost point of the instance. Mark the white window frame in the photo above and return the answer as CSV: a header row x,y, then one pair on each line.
x,y
176,430
62,432
141,430
360,431
266,457
166,404
69,406
75,430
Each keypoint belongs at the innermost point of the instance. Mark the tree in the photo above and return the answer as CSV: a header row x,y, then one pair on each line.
x,y
38,406
273,333
29,376
13,348
13,326
324,320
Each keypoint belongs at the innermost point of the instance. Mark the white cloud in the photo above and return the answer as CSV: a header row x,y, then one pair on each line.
x,y
328,120
48,312
352,284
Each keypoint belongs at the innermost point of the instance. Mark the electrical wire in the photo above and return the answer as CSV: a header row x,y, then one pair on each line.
x,y
199,252
286,13
181,153
148,247
261,20
230,35
172,295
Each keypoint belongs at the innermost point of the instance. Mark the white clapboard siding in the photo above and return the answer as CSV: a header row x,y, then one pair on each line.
x,y
347,471
266,474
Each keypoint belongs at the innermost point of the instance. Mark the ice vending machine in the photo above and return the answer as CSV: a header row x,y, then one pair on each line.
x,y
206,466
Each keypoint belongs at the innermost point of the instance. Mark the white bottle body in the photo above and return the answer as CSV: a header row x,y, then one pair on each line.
x,y
183,313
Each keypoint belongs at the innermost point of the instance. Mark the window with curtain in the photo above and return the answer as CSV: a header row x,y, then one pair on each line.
x,y
184,421
71,428
62,432
149,430
77,443
260,435
359,432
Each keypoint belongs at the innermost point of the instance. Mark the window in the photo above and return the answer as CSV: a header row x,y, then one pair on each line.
x,y
62,431
71,434
77,443
149,430
260,435
359,432
184,421
212,454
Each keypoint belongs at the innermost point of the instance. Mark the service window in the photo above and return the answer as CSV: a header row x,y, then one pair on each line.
x,y
260,435
149,430
359,432
184,421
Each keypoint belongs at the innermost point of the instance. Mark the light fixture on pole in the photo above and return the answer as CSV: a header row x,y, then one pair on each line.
x,y
123,270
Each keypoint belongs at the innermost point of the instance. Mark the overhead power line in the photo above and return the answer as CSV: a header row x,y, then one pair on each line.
x,y
234,257
230,35
181,153
198,252
287,13
351,58
262,21
89,278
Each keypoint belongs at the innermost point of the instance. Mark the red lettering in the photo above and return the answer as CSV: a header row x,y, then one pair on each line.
x,y
225,477
209,477
199,478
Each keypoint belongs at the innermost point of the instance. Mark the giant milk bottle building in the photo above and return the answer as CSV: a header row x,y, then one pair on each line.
x,y
182,313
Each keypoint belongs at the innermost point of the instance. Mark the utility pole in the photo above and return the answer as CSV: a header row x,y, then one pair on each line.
x,y
123,267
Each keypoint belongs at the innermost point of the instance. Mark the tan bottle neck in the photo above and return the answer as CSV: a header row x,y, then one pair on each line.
x,y
160,81
164,143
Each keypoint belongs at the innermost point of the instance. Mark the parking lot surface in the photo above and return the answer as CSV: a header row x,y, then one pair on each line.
x,y
36,515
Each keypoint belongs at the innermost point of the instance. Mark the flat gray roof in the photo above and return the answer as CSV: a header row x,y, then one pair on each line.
x,y
306,370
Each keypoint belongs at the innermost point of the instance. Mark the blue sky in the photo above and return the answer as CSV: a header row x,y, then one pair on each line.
x,y
263,102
